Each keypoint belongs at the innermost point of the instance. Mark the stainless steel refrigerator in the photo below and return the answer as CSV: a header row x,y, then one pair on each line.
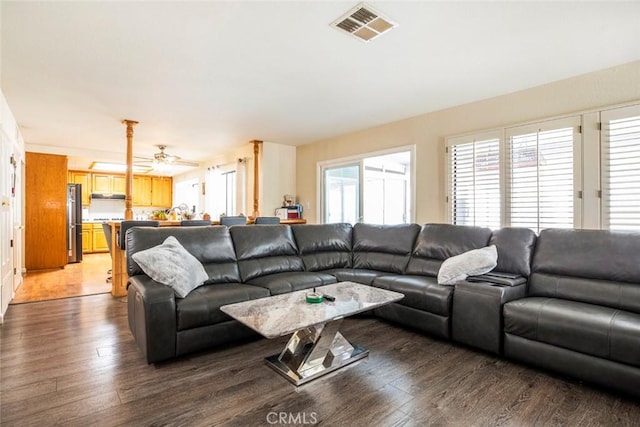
x,y
74,222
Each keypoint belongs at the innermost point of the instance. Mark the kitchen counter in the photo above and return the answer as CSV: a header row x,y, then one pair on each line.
x,y
119,262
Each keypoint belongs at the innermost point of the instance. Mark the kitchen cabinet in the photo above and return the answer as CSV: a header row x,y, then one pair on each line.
x,y
87,238
141,191
161,191
84,179
108,183
156,191
99,241
119,184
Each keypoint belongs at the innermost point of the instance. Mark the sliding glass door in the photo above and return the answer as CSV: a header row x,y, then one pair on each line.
x,y
371,189
341,195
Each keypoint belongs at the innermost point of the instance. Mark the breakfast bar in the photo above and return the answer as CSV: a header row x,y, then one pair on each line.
x,y
118,259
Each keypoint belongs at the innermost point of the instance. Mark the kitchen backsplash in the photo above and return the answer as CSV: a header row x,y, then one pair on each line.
x,y
105,209
100,210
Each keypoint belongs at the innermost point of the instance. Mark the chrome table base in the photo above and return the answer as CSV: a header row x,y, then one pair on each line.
x,y
315,351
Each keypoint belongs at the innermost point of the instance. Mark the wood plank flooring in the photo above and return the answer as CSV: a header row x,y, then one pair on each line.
x,y
73,362
84,278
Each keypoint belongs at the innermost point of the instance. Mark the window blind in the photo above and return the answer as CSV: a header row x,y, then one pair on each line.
x,y
621,170
541,179
475,183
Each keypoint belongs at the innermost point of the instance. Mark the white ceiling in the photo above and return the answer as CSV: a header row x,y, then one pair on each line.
x,y
202,77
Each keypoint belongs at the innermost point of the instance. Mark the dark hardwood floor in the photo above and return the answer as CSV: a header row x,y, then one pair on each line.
x,y
73,362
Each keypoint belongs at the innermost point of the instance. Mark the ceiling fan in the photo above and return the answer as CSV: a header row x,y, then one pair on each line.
x,y
163,159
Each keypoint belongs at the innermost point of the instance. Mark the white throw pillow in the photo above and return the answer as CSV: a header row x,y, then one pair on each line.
x,y
470,263
171,265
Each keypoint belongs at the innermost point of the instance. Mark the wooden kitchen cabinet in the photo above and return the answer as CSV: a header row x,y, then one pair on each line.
x,y
108,183
87,238
119,184
84,179
99,241
141,191
161,191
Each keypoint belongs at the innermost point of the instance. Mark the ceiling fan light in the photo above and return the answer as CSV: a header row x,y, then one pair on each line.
x,y
161,166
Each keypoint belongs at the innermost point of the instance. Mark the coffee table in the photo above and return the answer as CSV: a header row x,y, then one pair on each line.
x,y
316,347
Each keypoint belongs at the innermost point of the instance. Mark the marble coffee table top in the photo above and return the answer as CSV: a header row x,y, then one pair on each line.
x,y
284,314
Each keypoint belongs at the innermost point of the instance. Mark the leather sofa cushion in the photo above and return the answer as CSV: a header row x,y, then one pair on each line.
x,y
437,242
282,283
384,248
357,275
264,241
420,292
265,250
324,246
252,268
625,296
592,266
515,249
593,254
202,306
586,328
212,246
441,241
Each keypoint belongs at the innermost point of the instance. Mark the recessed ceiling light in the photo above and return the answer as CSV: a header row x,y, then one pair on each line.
x,y
364,23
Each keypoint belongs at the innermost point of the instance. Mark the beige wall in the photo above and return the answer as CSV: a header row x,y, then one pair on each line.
x,y
611,86
245,151
278,176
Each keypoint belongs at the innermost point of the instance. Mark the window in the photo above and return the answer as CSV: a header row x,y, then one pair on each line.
x,y
538,166
386,186
474,181
620,168
225,189
541,174
187,192
375,189
229,198
342,194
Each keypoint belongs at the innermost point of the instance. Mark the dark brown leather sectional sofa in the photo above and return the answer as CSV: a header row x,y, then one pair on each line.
x,y
567,300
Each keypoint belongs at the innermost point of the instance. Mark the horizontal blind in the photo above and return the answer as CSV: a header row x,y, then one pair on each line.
x,y
474,183
541,179
621,169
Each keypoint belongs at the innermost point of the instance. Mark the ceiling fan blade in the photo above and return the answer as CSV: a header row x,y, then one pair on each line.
x,y
186,163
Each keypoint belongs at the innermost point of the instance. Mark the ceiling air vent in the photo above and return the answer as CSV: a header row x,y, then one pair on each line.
x,y
364,23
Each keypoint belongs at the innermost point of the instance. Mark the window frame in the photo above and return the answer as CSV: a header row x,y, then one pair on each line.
x,y
466,139
504,134
604,116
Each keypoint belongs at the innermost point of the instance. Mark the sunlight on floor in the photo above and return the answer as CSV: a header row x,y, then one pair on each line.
x,y
84,278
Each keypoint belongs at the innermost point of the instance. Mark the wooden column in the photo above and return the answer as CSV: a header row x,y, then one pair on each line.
x,y
256,177
128,203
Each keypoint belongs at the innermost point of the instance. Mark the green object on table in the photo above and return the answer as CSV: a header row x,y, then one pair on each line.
x,y
314,298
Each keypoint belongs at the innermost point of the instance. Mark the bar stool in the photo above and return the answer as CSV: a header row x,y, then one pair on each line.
x,y
233,220
107,234
127,224
261,220
194,222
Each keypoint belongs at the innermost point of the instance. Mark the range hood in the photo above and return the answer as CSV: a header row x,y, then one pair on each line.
x,y
107,196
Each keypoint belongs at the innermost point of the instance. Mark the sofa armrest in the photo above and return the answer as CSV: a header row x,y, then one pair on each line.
x,y
152,317
477,313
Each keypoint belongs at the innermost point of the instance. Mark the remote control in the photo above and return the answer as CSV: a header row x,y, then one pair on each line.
x,y
329,297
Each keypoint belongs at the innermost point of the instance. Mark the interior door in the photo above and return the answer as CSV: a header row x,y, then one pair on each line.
x,y
6,226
